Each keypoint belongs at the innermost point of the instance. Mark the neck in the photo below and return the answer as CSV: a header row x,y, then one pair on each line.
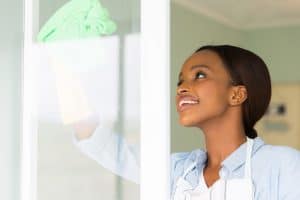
x,y
221,139
220,147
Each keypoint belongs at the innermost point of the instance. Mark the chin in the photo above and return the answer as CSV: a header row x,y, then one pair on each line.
x,y
187,122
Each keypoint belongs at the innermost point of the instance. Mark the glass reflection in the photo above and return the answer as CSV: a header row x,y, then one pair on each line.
x,y
88,107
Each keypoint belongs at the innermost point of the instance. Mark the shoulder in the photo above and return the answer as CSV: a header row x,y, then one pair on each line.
x,y
271,158
181,160
286,161
283,159
289,158
281,154
192,156
279,167
178,159
179,156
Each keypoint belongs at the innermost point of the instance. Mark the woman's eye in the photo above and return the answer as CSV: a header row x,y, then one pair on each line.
x,y
200,75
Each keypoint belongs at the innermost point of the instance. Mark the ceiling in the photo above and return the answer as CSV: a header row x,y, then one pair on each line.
x,y
247,14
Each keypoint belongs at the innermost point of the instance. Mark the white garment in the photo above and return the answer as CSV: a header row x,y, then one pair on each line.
x,y
223,189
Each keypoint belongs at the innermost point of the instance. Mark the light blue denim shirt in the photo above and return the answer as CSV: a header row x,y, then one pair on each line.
x,y
113,152
275,169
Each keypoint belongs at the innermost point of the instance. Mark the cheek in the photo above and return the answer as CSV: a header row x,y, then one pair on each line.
x,y
213,103
213,96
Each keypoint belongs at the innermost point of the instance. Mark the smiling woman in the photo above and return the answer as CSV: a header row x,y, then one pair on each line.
x,y
224,90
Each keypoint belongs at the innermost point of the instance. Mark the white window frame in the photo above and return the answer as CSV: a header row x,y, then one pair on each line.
x,y
28,148
155,102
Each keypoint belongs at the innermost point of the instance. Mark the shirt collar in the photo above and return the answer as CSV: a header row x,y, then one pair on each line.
x,y
232,162
198,158
238,157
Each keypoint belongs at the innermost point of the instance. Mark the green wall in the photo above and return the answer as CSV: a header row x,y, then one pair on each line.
x,y
188,32
277,46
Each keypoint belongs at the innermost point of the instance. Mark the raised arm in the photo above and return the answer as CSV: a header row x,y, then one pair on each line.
x,y
107,148
99,143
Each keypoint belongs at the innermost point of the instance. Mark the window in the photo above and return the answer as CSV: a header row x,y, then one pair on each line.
x,y
106,76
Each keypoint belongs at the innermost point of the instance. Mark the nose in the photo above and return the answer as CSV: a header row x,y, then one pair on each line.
x,y
181,90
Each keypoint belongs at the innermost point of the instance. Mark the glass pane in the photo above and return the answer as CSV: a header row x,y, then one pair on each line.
x,y
87,73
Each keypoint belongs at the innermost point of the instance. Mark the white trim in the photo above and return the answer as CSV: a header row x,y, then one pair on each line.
x,y
28,130
155,100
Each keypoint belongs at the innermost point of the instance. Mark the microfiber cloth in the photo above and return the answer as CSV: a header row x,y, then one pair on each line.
x,y
78,19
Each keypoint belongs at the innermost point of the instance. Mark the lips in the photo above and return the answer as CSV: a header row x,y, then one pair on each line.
x,y
186,101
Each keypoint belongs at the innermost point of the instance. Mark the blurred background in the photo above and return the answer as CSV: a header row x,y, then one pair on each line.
x,y
271,29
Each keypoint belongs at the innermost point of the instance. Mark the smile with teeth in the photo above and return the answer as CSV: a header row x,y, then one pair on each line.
x,y
185,103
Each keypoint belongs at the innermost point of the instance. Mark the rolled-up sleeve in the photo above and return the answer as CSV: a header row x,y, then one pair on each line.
x,y
111,150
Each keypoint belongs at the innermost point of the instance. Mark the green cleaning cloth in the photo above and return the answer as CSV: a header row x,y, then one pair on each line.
x,y
78,19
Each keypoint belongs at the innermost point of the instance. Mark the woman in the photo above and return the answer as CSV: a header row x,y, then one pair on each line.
x,y
223,90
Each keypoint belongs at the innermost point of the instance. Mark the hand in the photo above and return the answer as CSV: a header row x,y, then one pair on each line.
x,y
85,128
73,102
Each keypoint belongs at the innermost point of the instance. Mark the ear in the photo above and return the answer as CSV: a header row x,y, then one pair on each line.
x,y
238,95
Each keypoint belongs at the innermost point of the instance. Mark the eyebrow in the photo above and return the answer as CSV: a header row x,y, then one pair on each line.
x,y
195,67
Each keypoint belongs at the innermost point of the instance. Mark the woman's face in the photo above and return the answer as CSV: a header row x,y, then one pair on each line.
x,y
203,89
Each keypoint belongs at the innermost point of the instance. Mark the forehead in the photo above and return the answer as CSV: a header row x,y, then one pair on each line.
x,y
204,57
